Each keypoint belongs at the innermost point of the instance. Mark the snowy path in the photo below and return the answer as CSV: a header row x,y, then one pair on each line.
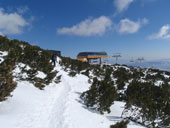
x,y
57,106
33,108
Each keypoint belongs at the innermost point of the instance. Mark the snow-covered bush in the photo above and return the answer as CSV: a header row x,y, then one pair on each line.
x,y
101,94
7,85
72,73
34,57
122,124
152,102
145,91
74,65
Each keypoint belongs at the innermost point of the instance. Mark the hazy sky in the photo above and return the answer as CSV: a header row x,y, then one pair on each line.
x,y
134,28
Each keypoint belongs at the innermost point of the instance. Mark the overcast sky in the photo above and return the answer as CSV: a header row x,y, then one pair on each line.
x,y
134,28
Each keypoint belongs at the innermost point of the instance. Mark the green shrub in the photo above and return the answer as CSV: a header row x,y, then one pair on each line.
x,y
72,73
7,85
86,72
122,76
33,56
100,96
58,79
153,101
122,124
74,65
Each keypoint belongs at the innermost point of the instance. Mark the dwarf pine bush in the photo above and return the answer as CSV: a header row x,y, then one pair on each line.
x,y
22,52
101,94
122,124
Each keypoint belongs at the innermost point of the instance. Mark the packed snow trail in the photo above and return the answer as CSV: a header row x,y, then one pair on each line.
x,y
57,106
75,114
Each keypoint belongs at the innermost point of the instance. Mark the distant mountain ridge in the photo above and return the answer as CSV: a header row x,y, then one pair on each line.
x,y
162,64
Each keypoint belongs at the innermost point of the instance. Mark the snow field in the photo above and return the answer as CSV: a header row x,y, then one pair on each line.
x,y
57,106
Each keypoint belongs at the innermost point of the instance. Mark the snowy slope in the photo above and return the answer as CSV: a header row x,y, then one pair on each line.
x,y
57,106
